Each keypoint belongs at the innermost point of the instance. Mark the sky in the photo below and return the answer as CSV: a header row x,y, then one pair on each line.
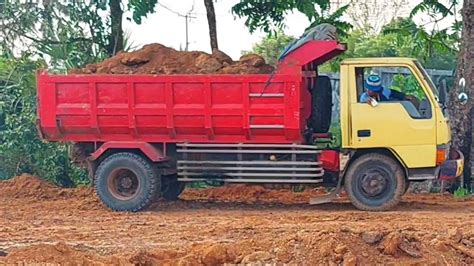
x,y
167,26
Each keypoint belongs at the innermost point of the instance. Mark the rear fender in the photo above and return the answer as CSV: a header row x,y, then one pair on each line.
x,y
152,153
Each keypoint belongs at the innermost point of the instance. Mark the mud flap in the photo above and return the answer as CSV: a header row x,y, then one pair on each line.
x,y
343,163
325,198
328,197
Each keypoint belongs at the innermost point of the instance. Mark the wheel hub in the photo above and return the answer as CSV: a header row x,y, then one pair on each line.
x,y
126,182
374,183
123,184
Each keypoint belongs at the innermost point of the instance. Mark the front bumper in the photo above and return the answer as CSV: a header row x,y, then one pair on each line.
x,y
453,167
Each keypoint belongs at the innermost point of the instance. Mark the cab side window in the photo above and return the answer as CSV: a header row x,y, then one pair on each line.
x,y
393,84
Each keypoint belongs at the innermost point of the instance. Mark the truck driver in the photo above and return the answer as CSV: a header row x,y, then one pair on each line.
x,y
376,91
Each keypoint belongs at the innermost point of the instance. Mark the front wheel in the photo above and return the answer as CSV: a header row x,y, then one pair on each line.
x,y
126,182
375,182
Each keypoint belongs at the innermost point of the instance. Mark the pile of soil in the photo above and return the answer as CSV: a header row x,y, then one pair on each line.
x,y
63,254
198,254
159,59
27,186
344,246
58,254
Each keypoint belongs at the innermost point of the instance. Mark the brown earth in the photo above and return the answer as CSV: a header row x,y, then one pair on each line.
x,y
158,59
40,223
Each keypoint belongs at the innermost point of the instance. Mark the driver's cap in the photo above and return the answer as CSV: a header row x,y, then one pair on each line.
x,y
374,83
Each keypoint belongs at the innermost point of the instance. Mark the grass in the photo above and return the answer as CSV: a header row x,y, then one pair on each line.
x,y
460,193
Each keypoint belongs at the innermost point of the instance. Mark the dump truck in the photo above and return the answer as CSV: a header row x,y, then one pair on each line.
x,y
145,136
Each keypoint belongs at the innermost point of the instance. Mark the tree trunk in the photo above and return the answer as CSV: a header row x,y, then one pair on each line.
x,y
116,35
461,115
211,20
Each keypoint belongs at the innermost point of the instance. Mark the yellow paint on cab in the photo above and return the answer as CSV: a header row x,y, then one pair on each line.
x,y
413,141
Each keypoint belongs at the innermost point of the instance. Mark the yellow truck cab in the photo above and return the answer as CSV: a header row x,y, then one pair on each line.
x,y
391,140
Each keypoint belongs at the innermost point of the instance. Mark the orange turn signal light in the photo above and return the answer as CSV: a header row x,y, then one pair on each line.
x,y
441,155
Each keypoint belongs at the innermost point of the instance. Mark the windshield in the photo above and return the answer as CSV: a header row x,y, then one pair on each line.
x,y
428,79
433,88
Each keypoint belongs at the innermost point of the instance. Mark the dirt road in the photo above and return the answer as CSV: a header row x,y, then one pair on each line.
x,y
43,224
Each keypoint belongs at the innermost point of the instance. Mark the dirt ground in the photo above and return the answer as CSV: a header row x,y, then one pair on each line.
x,y
40,223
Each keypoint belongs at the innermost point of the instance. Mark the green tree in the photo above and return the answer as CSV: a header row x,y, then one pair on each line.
x,y
269,16
69,33
271,46
408,84
21,150
399,39
436,48
364,43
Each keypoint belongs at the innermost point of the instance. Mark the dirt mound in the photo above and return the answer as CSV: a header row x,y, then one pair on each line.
x,y
157,257
253,194
325,246
63,254
58,254
159,59
27,186
396,243
198,254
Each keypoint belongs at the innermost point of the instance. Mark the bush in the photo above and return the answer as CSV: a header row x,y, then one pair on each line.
x,y
21,149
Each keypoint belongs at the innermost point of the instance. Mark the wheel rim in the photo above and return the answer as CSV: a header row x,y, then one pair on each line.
x,y
123,184
375,182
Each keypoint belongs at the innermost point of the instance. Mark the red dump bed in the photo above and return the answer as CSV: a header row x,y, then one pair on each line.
x,y
183,108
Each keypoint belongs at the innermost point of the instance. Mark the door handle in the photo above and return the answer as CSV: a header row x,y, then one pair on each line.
x,y
363,133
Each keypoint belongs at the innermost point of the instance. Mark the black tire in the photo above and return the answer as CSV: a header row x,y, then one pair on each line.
x,y
375,182
321,110
126,182
407,186
171,188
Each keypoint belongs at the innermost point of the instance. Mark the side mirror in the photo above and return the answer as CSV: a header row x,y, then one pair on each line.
x,y
463,98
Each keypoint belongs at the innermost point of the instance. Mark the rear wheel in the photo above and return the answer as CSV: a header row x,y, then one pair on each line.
x,y
375,182
171,188
126,182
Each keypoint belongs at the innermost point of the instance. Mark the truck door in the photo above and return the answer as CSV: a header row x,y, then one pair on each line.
x,y
406,126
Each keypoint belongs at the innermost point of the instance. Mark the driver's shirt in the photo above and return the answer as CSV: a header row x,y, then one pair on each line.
x,y
385,95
